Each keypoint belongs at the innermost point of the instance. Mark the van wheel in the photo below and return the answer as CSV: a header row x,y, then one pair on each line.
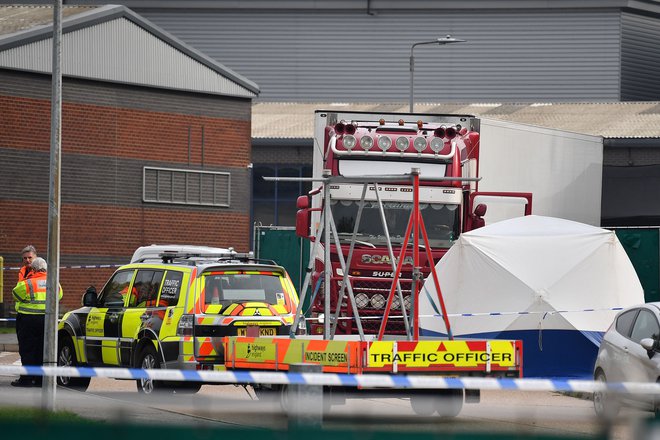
x,y
148,360
66,357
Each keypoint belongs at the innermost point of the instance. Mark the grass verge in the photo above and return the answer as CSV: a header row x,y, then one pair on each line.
x,y
21,414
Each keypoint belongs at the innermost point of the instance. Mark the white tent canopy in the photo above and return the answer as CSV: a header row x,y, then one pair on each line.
x,y
540,274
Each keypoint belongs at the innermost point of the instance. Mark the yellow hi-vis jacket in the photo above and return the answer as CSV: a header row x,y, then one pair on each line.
x,y
30,294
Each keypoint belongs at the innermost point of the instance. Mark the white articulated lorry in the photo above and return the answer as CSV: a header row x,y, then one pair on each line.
x,y
517,166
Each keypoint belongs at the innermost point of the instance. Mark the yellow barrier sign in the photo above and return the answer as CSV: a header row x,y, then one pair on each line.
x,y
454,354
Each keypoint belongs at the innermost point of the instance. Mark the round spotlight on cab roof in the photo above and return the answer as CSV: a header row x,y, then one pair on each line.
x,y
437,144
361,300
378,301
366,142
384,143
402,144
349,141
419,143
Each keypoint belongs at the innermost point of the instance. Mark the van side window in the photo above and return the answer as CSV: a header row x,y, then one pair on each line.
x,y
114,291
169,294
145,288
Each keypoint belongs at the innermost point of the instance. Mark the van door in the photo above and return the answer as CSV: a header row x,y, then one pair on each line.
x,y
140,312
103,322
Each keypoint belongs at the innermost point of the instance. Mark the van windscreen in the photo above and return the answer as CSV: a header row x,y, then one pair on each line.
x,y
232,287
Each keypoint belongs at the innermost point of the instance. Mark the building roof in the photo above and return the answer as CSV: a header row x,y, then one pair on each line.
x,y
634,120
112,43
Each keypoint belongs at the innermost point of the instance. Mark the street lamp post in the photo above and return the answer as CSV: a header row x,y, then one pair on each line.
x,y
439,41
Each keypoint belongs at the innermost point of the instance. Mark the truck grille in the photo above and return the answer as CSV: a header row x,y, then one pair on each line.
x,y
371,298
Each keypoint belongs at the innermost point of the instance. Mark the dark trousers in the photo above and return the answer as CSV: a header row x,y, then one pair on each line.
x,y
30,333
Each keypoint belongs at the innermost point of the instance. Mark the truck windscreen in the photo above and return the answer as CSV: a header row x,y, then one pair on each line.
x,y
441,221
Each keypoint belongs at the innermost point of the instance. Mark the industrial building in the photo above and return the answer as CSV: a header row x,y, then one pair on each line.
x,y
155,142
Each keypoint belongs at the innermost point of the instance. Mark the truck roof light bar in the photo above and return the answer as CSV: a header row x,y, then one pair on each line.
x,y
380,179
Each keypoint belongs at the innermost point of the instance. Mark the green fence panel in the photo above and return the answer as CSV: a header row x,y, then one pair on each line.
x,y
643,248
286,248
40,429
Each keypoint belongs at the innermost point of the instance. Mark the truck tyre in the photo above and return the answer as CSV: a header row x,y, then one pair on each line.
x,y
422,404
187,387
605,404
148,360
449,403
284,398
66,357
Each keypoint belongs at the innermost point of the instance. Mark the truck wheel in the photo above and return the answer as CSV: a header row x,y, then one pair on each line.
x,y
605,404
284,398
422,404
449,403
66,357
188,387
148,360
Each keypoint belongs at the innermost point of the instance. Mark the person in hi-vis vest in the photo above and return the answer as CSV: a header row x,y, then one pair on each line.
x,y
30,296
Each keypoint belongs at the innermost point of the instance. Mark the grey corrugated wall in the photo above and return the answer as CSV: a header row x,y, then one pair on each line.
x,y
338,56
640,57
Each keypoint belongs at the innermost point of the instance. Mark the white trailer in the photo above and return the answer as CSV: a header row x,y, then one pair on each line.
x,y
562,170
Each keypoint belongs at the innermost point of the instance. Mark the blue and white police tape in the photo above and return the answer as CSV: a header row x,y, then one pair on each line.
x,y
475,314
345,380
91,266
7,319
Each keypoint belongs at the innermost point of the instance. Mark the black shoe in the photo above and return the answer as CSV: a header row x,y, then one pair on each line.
x,y
23,383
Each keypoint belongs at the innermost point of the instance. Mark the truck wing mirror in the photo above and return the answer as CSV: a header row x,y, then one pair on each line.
x,y
90,298
303,217
480,210
478,216
302,202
